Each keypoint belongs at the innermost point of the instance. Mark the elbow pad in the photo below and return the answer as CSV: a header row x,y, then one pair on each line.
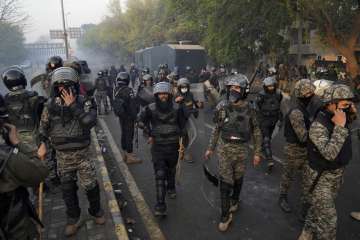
x,y
87,120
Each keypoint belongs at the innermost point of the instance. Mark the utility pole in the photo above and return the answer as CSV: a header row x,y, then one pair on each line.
x,y
65,32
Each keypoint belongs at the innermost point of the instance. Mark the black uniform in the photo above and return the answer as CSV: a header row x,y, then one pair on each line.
x,y
165,126
269,114
134,74
126,108
145,95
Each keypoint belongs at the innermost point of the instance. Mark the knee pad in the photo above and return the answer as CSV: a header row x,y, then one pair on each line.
x,y
160,174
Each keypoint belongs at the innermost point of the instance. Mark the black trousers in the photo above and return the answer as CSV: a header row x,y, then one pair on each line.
x,y
165,159
127,134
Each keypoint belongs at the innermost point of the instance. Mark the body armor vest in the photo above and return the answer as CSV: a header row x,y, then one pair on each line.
x,y
101,84
290,134
316,160
235,128
22,110
164,125
66,132
271,104
146,95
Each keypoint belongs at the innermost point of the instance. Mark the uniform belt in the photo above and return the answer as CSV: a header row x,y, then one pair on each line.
x,y
232,139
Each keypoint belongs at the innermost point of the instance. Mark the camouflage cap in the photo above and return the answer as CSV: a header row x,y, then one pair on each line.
x,y
321,85
303,88
237,80
337,92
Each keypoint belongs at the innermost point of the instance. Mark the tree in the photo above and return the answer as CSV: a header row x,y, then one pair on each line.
x,y
338,23
238,32
12,50
11,12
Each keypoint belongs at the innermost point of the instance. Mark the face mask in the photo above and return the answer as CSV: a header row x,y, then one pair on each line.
x,y
350,116
234,96
184,90
305,101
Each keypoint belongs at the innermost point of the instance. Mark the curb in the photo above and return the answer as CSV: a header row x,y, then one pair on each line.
x,y
120,229
148,218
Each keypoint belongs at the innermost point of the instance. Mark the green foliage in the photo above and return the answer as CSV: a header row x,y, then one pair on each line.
x,y
233,31
339,15
12,50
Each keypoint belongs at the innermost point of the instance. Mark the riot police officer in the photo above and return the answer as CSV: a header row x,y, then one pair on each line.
x,y
134,74
185,97
24,108
186,100
162,76
164,123
145,94
52,64
19,169
268,104
66,122
330,151
112,74
126,108
235,124
101,92
297,123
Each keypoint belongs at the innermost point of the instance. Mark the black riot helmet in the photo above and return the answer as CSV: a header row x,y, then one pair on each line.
x,y
123,78
67,78
14,79
3,111
145,71
54,63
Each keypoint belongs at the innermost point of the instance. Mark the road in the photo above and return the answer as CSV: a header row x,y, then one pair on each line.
x,y
195,212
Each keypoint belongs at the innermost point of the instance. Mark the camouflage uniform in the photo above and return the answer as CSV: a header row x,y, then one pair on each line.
x,y
101,93
297,124
330,150
322,218
233,154
68,130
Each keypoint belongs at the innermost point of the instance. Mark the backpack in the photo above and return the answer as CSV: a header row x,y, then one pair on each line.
x,y
119,103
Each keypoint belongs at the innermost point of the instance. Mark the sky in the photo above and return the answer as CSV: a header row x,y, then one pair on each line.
x,y
46,14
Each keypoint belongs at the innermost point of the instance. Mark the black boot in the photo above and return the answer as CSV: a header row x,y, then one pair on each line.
x,y
69,193
226,216
160,207
236,194
93,196
284,204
